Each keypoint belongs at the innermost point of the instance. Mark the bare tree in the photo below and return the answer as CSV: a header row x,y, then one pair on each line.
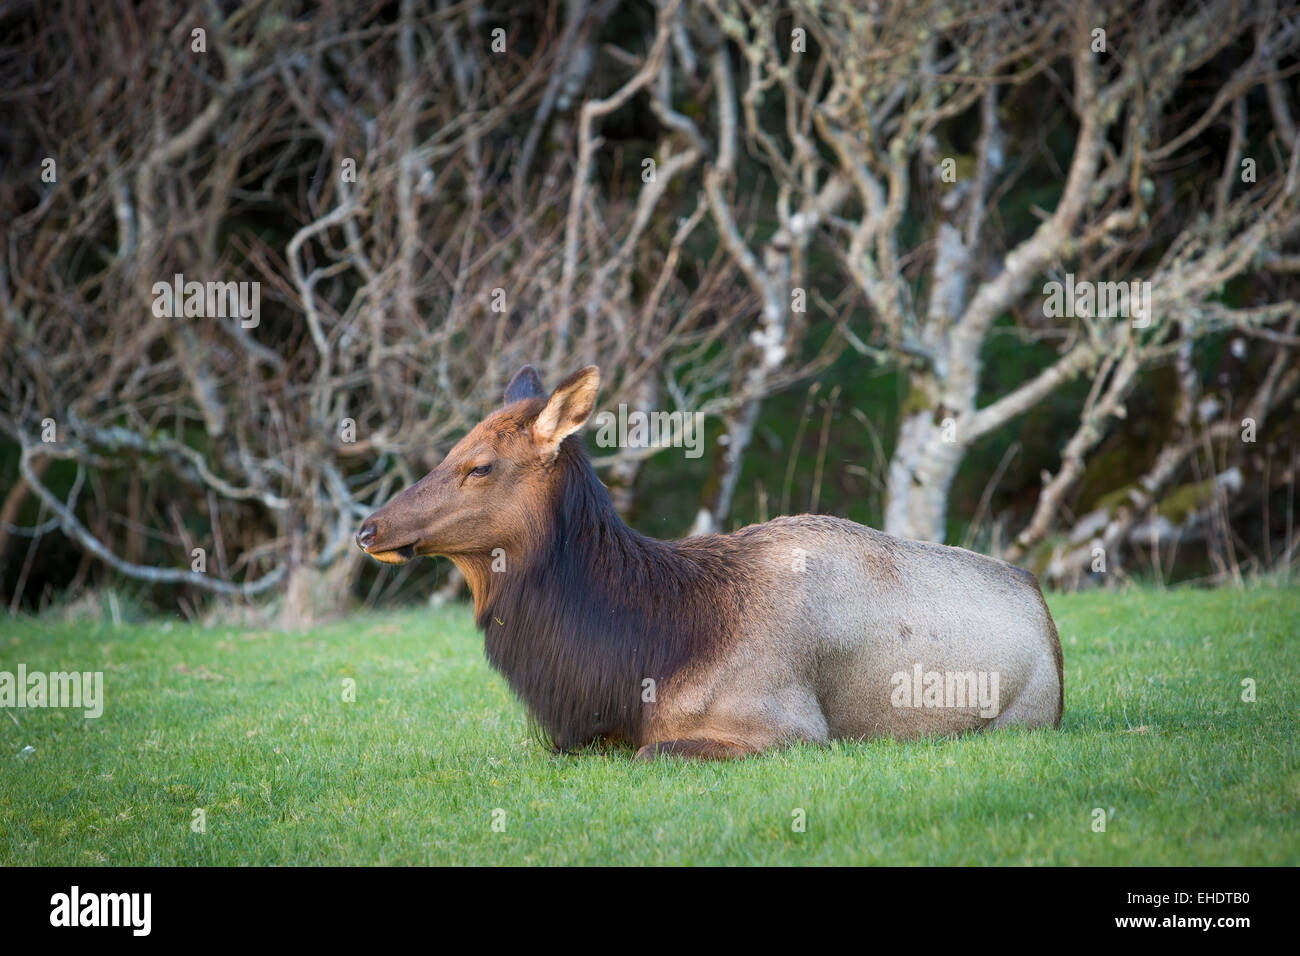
x,y
401,190
428,196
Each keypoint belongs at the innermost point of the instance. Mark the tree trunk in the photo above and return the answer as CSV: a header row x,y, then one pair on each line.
x,y
313,594
920,476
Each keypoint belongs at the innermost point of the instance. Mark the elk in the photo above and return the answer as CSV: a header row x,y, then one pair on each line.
x,y
805,628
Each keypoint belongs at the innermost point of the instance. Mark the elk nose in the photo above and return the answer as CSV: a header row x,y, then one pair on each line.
x,y
366,536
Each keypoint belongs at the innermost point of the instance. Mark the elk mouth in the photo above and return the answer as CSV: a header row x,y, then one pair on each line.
x,y
368,541
394,555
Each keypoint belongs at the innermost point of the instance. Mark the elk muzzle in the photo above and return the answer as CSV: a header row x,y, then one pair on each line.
x,y
367,541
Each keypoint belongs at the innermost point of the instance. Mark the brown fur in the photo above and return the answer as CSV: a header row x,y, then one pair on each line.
x,y
710,647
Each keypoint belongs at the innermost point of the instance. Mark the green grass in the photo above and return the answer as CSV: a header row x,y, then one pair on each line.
x,y
251,727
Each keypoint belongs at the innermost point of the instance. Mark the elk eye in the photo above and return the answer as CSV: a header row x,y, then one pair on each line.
x,y
480,471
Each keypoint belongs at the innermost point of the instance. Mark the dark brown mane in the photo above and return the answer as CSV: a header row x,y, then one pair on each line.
x,y
596,608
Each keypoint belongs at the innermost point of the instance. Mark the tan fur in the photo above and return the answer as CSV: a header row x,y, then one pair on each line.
x,y
815,659
795,629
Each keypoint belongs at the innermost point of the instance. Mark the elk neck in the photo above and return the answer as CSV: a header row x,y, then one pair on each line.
x,y
590,610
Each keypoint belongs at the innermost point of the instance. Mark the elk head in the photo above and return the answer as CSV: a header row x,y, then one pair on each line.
x,y
492,487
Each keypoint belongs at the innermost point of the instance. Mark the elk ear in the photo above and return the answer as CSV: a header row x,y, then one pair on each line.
x,y
568,408
525,384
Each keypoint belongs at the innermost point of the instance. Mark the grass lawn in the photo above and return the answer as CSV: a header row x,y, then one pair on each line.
x,y
251,728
